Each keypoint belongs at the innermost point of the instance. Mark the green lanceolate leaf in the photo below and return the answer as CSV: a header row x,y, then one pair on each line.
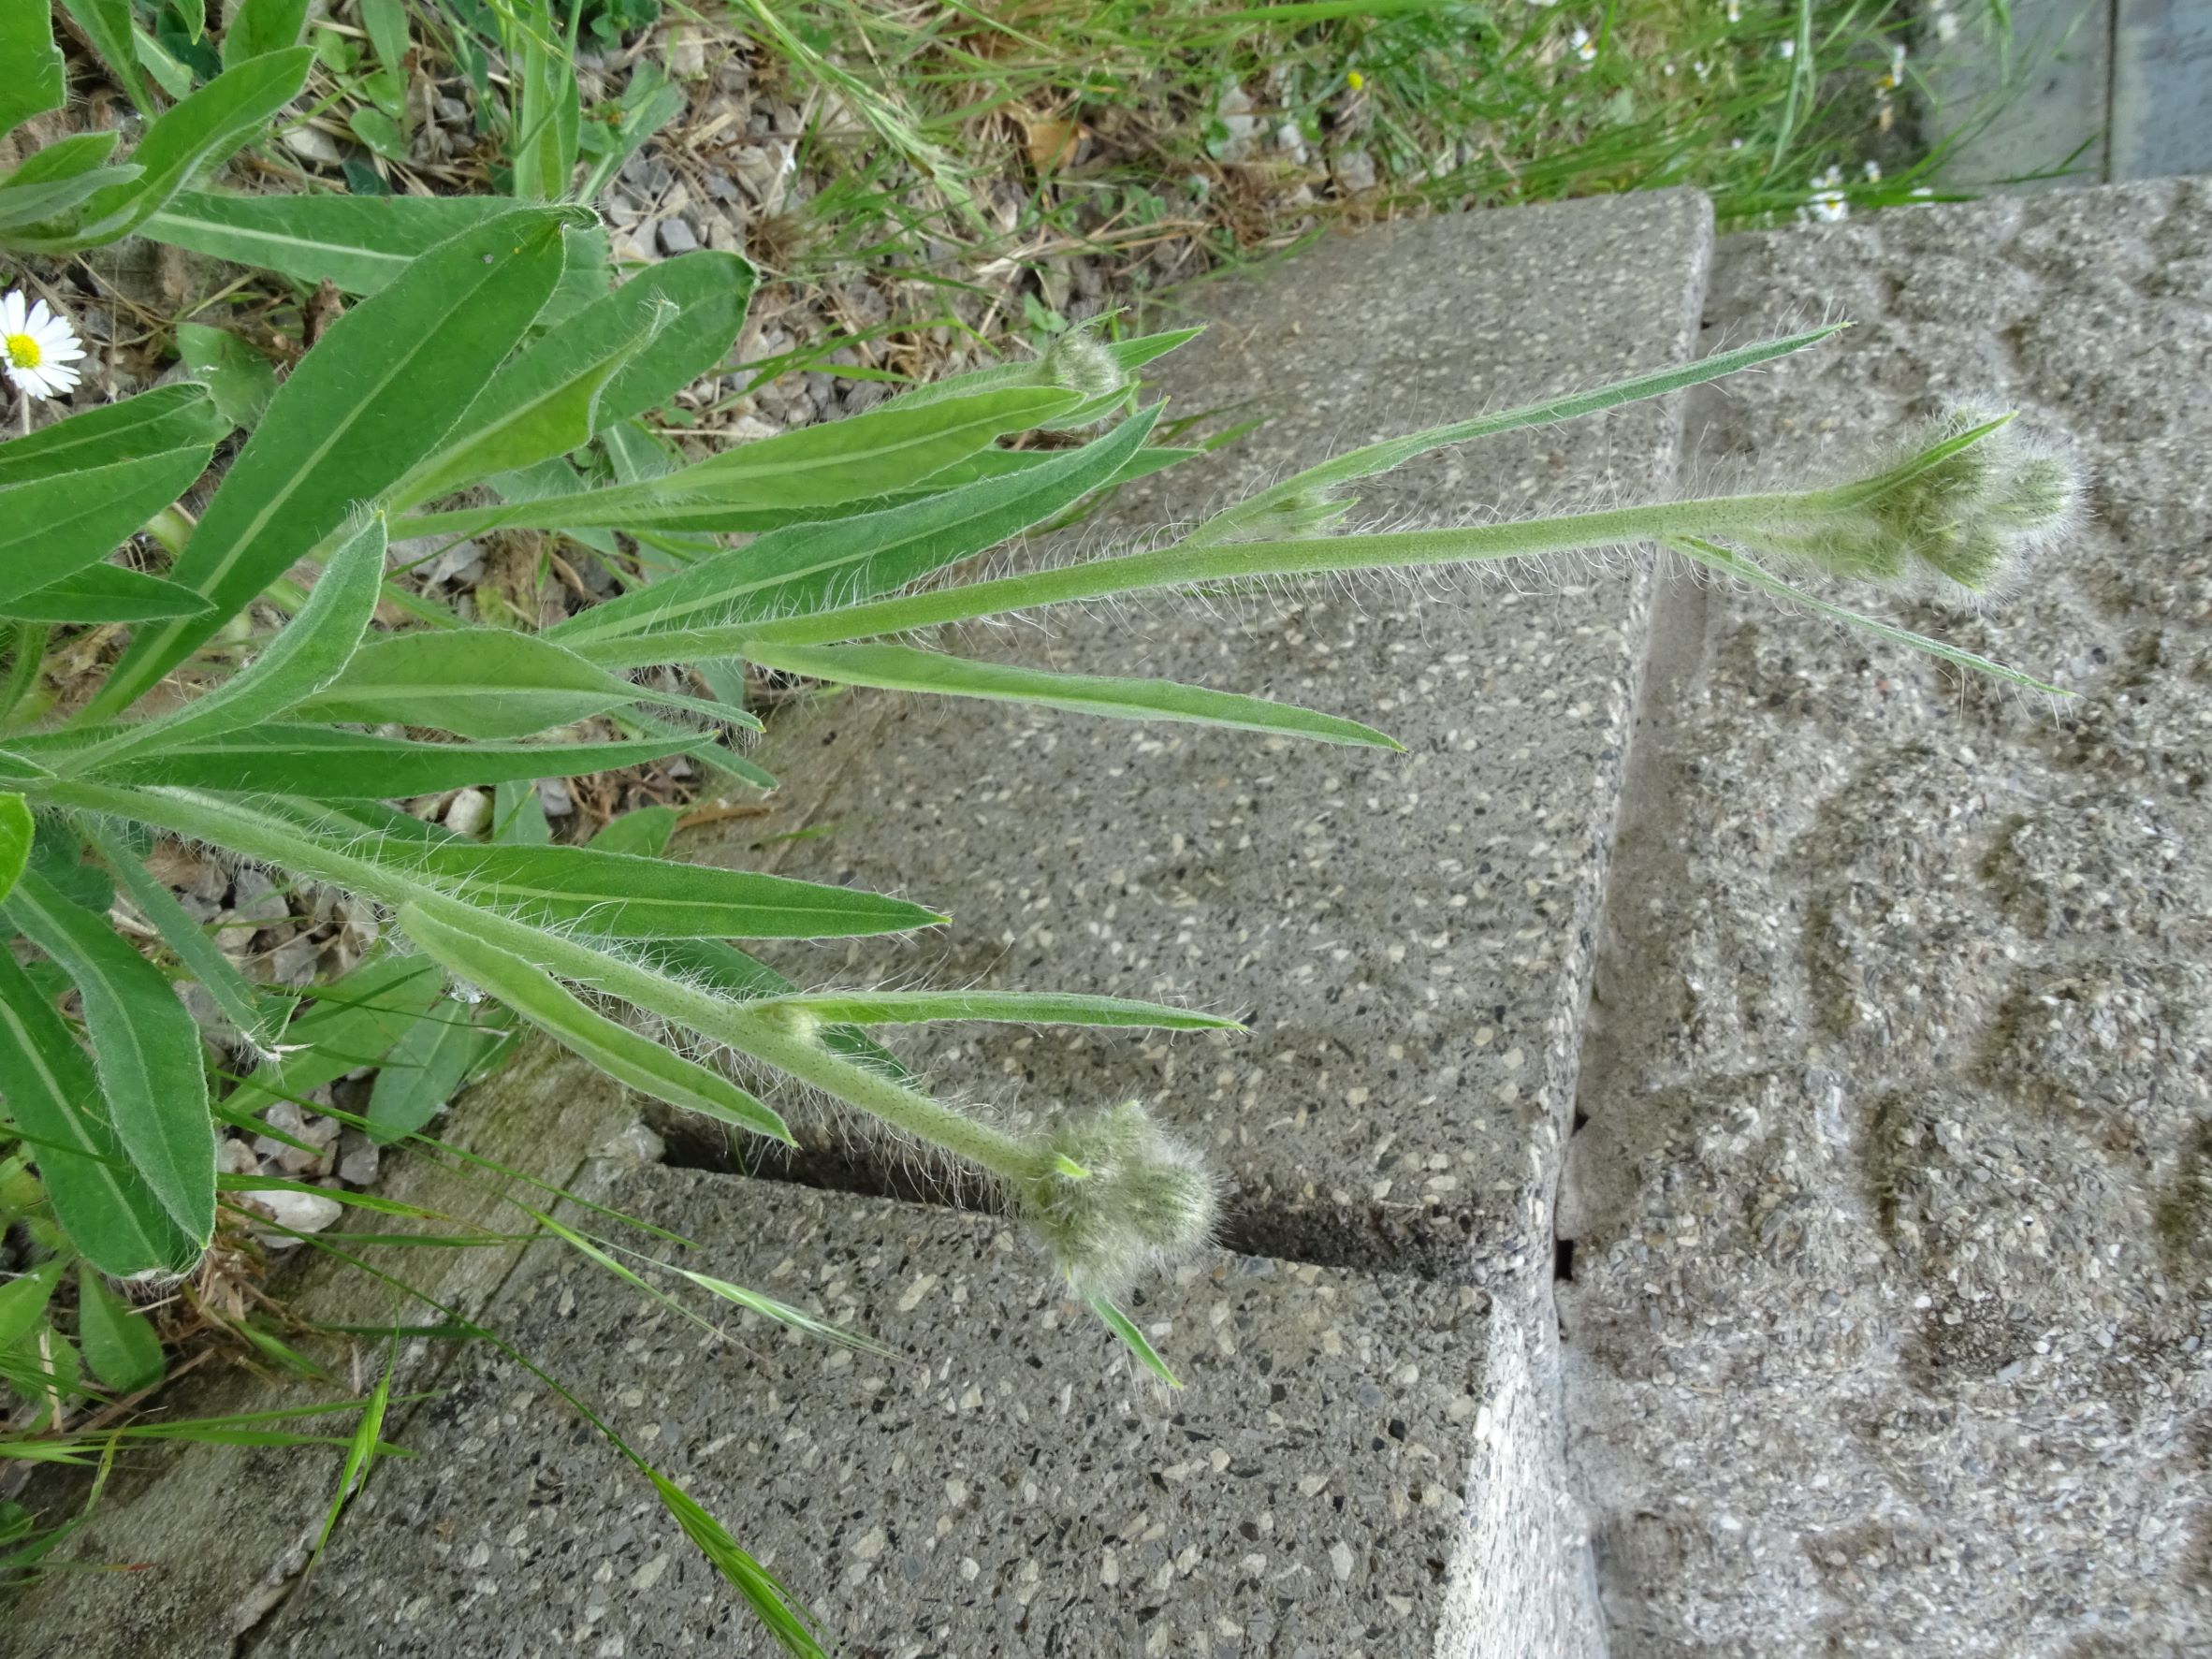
x,y
107,23
197,133
424,1070
642,834
24,1301
36,81
355,1021
239,379
51,527
1312,489
371,401
902,668
16,832
120,1343
261,28
348,765
759,484
806,567
1730,562
104,593
475,682
622,1053
715,966
1022,1007
615,895
306,655
146,1051
623,353
543,405
358,243
24,201
165,419
260,1020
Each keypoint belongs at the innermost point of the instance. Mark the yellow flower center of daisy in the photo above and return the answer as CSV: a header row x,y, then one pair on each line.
x,y
22,351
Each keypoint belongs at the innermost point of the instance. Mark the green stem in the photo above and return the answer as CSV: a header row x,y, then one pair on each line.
x,y
286,846
1183,566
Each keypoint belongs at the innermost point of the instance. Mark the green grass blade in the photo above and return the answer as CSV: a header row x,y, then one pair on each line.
x,y
360,1453
1133,1339
1732,563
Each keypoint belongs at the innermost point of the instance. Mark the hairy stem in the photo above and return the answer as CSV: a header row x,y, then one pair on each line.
x,y
764,1038
1183,566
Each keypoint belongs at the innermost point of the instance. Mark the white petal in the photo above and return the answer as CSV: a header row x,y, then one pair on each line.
x,y
11,313
38,319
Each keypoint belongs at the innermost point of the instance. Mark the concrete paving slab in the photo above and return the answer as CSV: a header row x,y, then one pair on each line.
x,y
1887,1326
1003,1481
215,1536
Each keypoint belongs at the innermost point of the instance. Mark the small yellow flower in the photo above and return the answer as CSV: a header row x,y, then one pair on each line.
x,y
1356,80
37,348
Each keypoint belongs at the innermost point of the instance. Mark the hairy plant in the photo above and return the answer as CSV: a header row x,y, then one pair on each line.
x,y
476,360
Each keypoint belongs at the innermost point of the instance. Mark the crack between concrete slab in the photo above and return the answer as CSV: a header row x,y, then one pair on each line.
x,y
264,1604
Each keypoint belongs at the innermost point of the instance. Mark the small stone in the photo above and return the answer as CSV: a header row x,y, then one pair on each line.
x,y
312,144
675,237
1355,171
302,1211
234,1157
357,1158
469,813
686,52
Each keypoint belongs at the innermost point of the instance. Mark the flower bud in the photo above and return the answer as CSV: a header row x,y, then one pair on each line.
x,y
1083,363
1966,499
1115,1196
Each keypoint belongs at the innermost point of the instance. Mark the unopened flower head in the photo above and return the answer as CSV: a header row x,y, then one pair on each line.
x,y
37,349
1117,1196
1965,498
1083,363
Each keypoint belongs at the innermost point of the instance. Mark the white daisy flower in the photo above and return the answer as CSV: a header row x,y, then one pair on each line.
x,y
1585,48
37,349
